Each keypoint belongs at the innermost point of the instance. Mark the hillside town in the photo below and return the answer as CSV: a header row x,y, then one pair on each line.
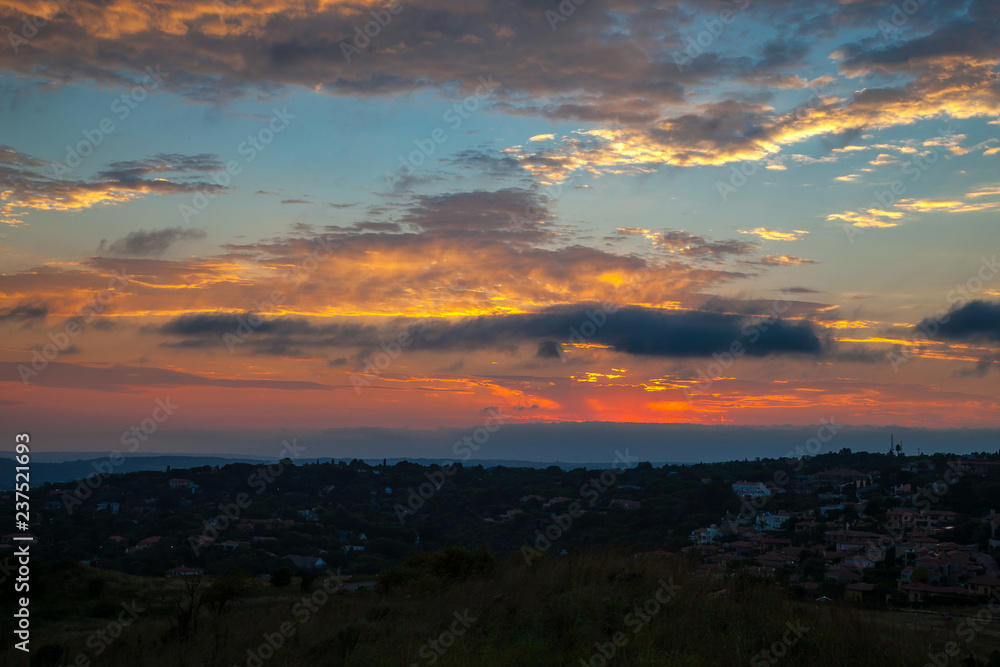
x,y
846,546
879,529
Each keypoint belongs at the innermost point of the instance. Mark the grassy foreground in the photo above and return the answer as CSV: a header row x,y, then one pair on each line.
x,y
457,607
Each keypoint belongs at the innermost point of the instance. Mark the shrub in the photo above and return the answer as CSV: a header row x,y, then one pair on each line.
x,y
281,577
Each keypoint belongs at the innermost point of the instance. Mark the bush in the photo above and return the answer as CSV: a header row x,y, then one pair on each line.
x,y
281,577
95,587
437,568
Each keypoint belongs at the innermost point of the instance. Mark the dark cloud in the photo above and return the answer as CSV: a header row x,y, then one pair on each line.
x,y
549,349
690,245
25,312
953,34
983,366
14,158
511,212
162,163
620,64
281,336
489,162
201,324
632,330
30,184
152,243
378,227
977,319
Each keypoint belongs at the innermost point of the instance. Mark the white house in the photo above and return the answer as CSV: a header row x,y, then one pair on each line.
x,y
773,521
706,535
751,489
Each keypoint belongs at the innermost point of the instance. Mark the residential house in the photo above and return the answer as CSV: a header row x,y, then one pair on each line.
x,y
182,484
751,489
842,575
845,540
859,561
626,504
859,592
984,585
912,519
918,593
841,476
307,562
775,521
706,535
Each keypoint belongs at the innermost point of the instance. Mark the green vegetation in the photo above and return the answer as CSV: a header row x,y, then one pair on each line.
x,y
621,593
558,611
473,505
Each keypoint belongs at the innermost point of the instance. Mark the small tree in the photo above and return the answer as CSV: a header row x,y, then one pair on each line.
x,y
185,607
226,589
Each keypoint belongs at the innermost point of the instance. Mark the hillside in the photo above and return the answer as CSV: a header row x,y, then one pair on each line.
x,y
457,607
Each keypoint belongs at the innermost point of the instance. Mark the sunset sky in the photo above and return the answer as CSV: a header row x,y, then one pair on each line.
x,y
558,211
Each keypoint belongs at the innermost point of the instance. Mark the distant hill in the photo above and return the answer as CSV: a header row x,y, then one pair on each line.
x,y
60,467
69,471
